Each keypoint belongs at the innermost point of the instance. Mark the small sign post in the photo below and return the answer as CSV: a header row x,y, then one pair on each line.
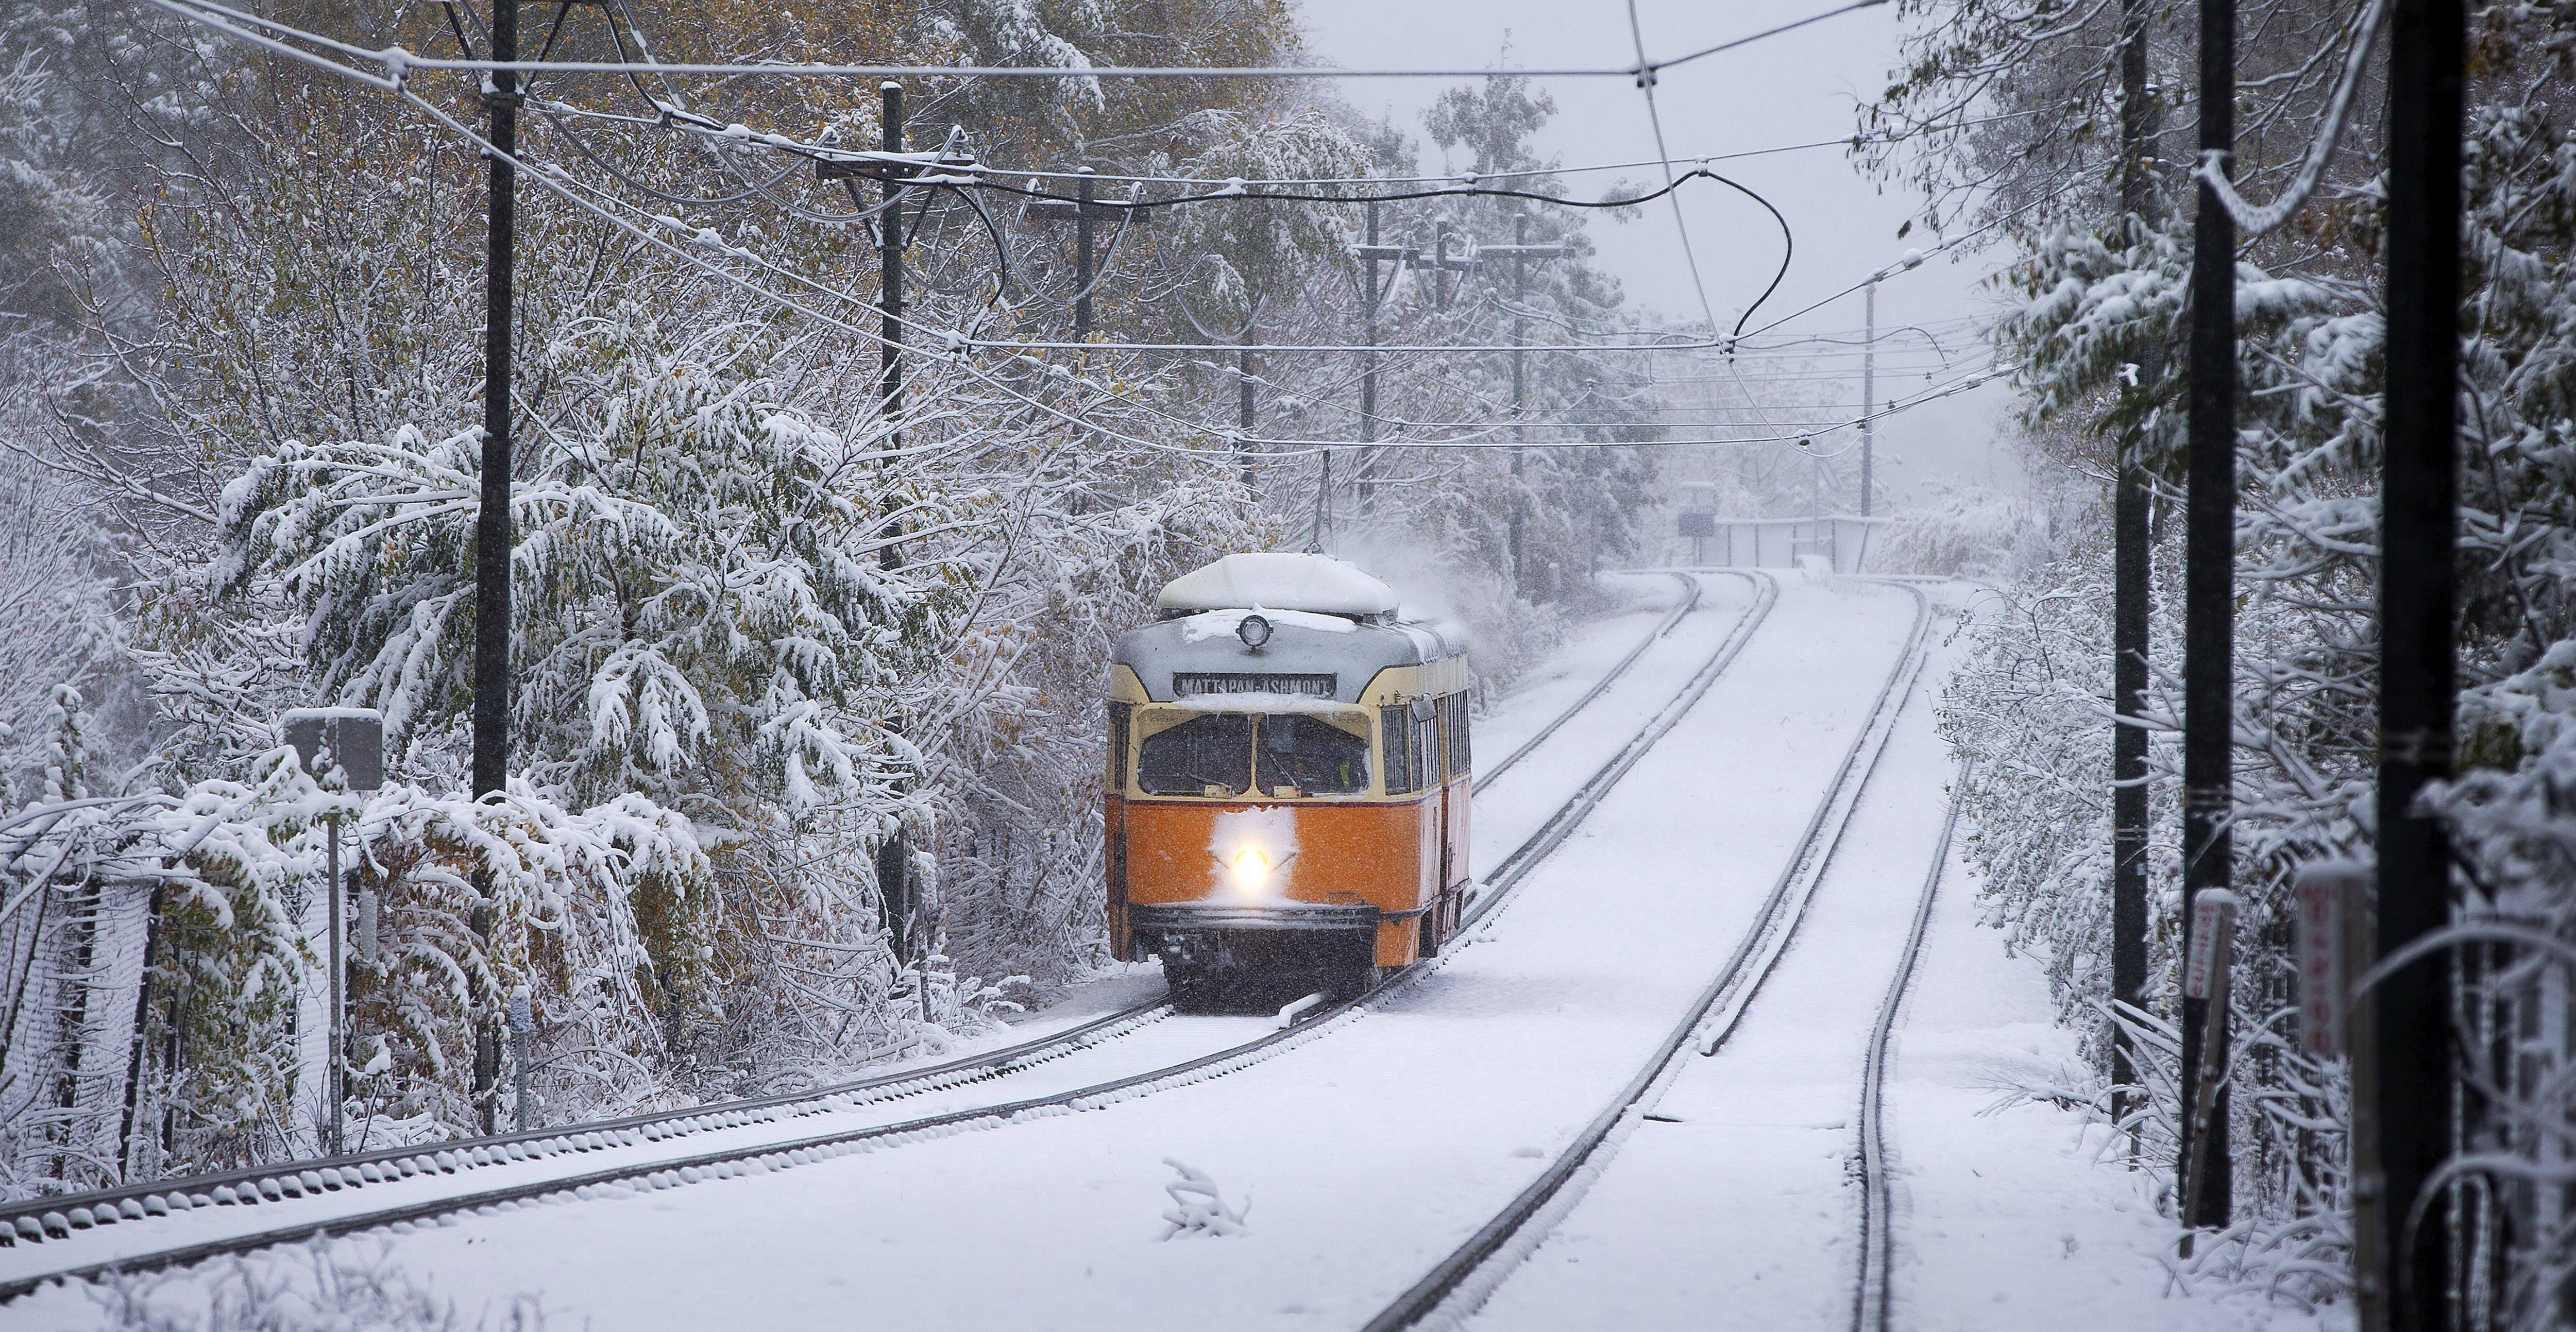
x,y
2213,931
1699,527
351,743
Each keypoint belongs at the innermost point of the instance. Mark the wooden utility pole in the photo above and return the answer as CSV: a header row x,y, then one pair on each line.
x,y
493,536
1083,210
1370,252
890,262
2418,682
1243,414
2209,595
2132,590
1520,382
1868,391
1520,252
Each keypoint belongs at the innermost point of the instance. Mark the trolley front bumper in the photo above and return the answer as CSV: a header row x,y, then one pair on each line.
x,y
1218,937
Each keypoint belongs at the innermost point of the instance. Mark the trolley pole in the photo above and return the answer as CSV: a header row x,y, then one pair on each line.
x,y
2132,578
2209,592
2414,1042
1520,382
492,527
1868,388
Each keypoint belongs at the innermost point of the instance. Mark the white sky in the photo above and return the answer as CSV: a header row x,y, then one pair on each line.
x,y
1794,88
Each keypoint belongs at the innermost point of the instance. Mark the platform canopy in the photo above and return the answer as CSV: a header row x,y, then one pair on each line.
x,y
1280,580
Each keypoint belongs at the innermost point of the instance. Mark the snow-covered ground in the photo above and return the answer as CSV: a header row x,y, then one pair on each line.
x,y
1371,1149
1740,1202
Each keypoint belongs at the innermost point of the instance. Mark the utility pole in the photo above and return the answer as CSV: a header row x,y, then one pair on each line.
x,y
1520,252
1868,387
890,261
2418,683
2209,594
1082,257
1243,405
492,527
1440,263
1082,211
1520,382
894,859
2132,579
1372,252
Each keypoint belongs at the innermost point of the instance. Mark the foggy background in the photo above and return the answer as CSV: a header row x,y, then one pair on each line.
x,y
1795,88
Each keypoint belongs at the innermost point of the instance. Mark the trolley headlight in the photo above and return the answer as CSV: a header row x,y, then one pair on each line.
x,y
1251,869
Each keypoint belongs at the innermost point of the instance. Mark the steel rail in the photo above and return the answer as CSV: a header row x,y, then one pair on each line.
x,y
1692,588
35,1220
1448,1280
1870,1300
278,1183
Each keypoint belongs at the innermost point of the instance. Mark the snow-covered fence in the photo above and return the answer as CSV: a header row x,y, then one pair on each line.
x,y
163,960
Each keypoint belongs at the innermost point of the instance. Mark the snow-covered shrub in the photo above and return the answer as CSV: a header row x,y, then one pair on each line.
x,y
1963,532
325,1286
1197,1206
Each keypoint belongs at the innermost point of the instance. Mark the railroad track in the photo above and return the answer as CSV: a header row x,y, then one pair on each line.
x,y
1877,1201
1459,1283
46,1221
1691,590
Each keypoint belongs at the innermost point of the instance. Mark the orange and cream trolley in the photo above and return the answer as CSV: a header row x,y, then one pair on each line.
x,y
1287,780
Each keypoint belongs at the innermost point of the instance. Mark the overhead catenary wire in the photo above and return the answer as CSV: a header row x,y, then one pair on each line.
x,y
213,13
395,58
949,341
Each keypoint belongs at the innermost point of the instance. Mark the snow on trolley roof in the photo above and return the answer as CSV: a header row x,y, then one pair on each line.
x,y
1282,580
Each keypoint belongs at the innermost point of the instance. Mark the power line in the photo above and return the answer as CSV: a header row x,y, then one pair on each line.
x,y
399,62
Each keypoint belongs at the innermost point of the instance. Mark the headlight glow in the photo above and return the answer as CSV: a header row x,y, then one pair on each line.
x,y
1251,868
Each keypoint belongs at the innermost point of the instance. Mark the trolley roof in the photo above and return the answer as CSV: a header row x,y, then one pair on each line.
x,y
1278,580
1328,622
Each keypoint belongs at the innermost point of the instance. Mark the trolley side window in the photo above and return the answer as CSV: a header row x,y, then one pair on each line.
x,y
1209,755
1121,719
1395,724
1453,726
1311,755
1462,748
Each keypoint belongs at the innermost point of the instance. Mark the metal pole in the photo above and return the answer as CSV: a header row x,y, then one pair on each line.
x,y
334,1088
2132,585
1368,365
890,294
1440,263
2418,655
2209,590
492,534
1243,413
1868,389
890,261
1520,383
523,1111
1083,191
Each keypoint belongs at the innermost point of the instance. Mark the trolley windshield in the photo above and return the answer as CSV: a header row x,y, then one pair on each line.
x,y
1214,755
1311,755
1210,755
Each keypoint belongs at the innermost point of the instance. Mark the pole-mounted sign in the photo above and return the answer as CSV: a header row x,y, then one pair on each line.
x,y
349,743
